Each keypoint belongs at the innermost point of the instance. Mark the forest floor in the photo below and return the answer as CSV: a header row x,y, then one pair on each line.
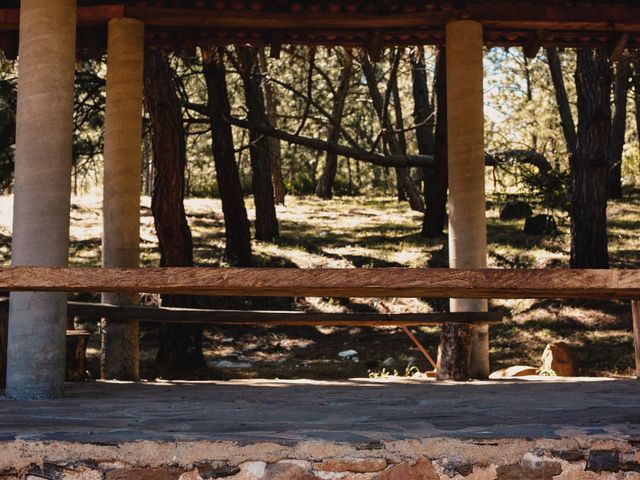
x,y
373,232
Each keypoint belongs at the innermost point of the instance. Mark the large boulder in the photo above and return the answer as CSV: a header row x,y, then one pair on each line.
x,y
558,357
515,209
540,225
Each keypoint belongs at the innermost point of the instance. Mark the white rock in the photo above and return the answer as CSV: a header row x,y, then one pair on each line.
x,y
229,364
348,354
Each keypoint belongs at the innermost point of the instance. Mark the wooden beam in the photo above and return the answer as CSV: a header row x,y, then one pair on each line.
x,y
291,318
534,43
617,47
356,282
250,19
635,314
87,16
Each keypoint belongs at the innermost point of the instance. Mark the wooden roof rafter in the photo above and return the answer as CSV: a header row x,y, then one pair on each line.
x,y
183,24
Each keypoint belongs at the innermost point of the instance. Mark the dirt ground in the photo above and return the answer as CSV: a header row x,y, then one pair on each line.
x,y
379,232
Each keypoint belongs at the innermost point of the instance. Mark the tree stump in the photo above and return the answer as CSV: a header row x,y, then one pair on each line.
x,y
454,352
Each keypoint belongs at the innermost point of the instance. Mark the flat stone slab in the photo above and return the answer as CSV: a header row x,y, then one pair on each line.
x,y
358,411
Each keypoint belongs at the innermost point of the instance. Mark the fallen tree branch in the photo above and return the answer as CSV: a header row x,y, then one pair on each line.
x,y
422,161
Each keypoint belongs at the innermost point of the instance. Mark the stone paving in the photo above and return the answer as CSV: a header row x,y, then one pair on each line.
x,y
353,430
351,411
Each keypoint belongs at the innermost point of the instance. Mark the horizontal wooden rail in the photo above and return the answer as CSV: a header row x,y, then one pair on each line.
x,y
269,317
357,282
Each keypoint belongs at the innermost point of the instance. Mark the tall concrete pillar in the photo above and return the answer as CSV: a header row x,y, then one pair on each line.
x,y
467,221
121,202
44,128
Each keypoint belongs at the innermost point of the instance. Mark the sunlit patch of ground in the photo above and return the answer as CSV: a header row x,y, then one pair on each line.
x,y
375,232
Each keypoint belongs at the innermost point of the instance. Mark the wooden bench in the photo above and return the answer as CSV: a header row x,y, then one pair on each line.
x,y
289,282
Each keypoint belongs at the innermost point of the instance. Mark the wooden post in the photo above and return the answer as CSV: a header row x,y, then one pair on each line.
x,y
44,128
122,178
635,315
467,222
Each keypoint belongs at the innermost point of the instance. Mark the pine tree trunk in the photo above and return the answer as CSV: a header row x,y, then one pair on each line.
x,y
590,164
636,89
324,189
618,126
564,108
266,220
430,143
275,150
394,143
236,221
180,351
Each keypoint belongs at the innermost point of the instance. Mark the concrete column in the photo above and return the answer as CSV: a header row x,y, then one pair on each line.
x,y
467,221
44,128
122,173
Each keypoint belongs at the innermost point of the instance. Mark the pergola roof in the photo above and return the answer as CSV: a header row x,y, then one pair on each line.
x,y
372,24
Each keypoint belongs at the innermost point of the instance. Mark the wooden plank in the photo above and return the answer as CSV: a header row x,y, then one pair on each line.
x,y
497,15
267,317
534,43
250,19
87,16
616,48
355,282
635,314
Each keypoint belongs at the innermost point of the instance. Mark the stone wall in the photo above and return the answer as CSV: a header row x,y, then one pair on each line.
x,y
431,459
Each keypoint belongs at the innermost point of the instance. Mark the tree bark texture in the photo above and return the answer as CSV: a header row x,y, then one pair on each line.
x,y
430,143
275,150
590,165
180,349
564,108
389,137
618,125
454,352
324,188
266,220
236,221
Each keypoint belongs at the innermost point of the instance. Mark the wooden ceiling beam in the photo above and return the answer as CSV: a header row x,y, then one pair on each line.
x,y
87,16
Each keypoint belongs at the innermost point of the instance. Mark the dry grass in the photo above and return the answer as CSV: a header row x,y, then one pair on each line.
x,y
378,232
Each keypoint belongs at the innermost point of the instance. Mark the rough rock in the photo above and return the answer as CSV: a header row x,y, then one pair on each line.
x,y
514,371
540,225
603,461
216,470
528,468
356,465
288,471
144,474
420,470
515,209
558,357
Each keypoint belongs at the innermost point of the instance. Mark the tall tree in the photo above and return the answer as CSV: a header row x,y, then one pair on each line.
x,y
636,89
266,220
180,349
275,151
324,189
618,125
236,221
381,106
590,164
564,107
430,143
